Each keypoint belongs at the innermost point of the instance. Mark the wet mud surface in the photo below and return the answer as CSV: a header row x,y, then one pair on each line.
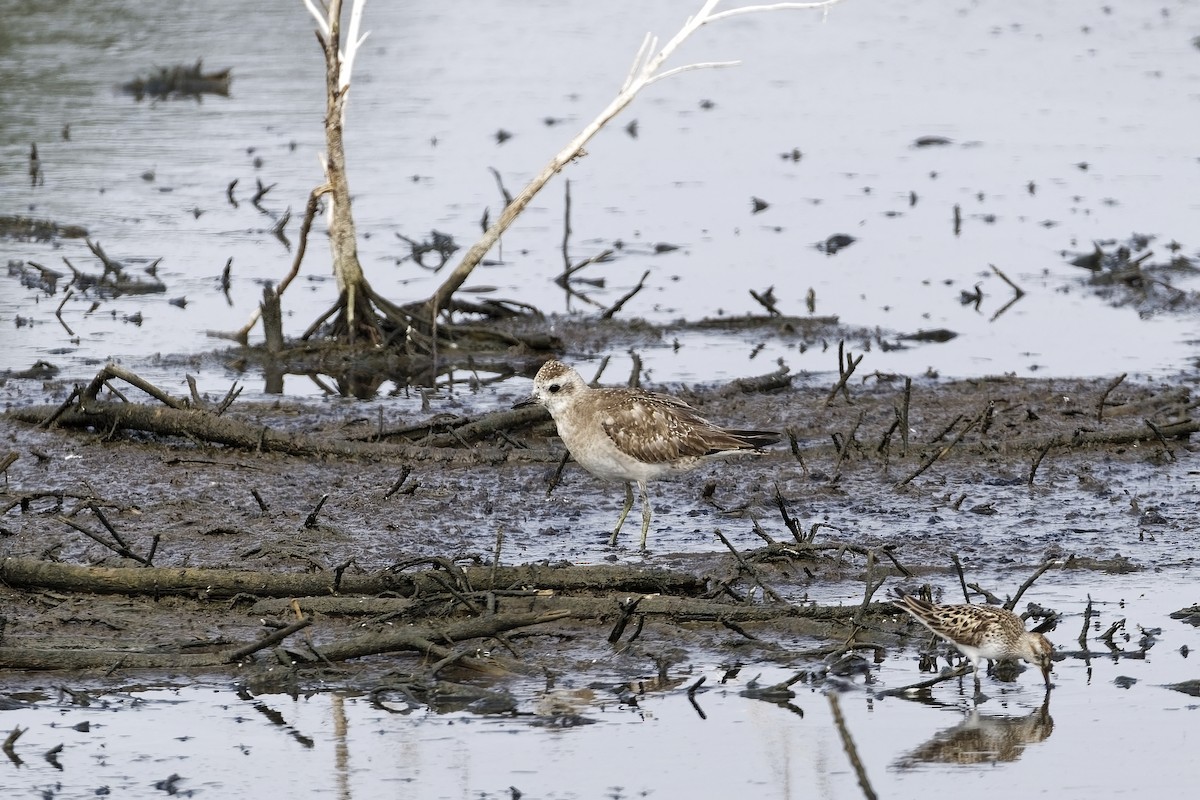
x,y
1001,474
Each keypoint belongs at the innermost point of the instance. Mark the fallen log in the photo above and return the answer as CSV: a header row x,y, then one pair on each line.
x,y
602,606
418,638
33,573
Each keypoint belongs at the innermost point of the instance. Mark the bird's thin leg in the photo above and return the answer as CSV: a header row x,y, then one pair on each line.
x,y
612,542
645,512
978,688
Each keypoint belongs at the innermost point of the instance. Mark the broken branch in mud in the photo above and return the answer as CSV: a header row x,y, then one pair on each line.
x,y
847,363
420,638
750,570
225,583
273,638
1018,292
118,544
962,670
939,454
1104,395
1047,564
617,306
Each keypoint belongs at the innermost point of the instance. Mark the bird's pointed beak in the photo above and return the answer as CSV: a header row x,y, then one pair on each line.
x,y
525,403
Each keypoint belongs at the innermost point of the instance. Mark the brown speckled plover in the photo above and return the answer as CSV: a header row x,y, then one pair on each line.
x,y
630,435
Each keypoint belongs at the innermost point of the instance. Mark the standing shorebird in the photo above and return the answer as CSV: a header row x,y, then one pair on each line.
x,y
630,435
981,632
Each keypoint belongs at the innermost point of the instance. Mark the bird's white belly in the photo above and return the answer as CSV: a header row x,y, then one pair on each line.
x,y
596,452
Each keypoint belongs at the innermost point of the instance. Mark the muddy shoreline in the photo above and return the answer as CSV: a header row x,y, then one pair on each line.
x,y
846,506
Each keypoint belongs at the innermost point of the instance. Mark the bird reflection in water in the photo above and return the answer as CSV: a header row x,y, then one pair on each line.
x,y
983,739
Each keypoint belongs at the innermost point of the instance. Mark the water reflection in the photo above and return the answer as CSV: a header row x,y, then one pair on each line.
x,y
983,739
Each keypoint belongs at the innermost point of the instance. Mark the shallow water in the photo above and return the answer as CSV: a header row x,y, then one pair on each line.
x,y
1114,729
1025,93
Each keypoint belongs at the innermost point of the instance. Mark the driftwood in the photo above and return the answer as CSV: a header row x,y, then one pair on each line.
x,y
603,606
418,638
225,583
210,428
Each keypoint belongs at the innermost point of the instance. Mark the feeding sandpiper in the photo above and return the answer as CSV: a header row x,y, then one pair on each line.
x,y
630,435
981,632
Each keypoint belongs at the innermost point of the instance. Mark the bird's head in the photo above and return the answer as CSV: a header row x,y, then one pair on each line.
x,y
1040,653
554,387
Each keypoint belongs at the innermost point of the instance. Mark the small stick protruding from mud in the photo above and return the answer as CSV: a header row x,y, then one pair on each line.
x,y
272,320
599,371
1104,396
635,371
9,743
628,296
194,390
556,478
267,641
795,444
405,471
1087,619
957,219
58,312
116,371
226,281
930,461
258,498
872,586
902,414
508,198
847,441
496,554
962,670
260,193
848,745
847,363
62,409
1107,636
311,520
790,522
753,573
988,597
962,578
1161,439
1016,289
767,300
1047,564
277,230
1037,461
229,192
117,547
627,607
566,229
738,629
1018,293
691,696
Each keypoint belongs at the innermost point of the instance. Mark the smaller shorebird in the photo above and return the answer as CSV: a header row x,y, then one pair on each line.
x,y
630,435
981,632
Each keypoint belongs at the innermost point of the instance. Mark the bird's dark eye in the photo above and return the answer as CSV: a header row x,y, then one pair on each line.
x,y
554,388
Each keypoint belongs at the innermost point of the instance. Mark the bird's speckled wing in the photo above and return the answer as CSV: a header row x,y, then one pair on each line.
x,y
655,428
964,623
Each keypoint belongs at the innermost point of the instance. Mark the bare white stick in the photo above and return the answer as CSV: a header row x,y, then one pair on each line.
x,y
642,73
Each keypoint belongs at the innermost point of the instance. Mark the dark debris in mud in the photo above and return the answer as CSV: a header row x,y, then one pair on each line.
x,y
1127,273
